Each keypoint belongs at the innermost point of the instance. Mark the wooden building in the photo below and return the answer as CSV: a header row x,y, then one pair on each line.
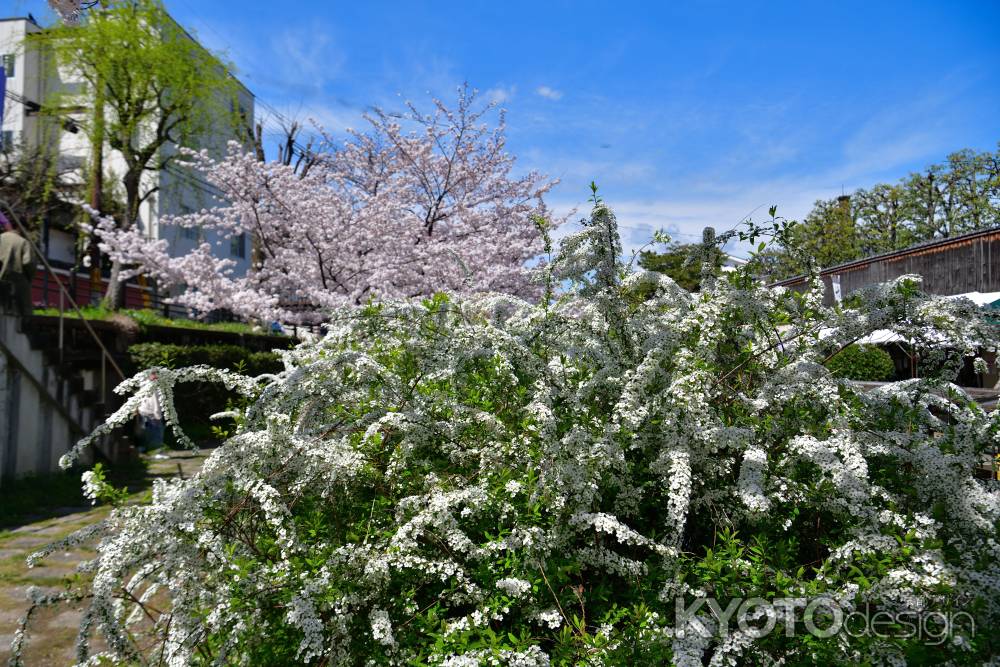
x,y
956,265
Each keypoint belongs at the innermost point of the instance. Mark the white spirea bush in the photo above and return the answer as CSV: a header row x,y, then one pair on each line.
x,y
495,482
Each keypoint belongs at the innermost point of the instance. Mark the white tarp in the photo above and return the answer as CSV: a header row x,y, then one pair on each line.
x,y
884,336
979,298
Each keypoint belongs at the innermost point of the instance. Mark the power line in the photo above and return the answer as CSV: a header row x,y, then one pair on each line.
x,y
193,180
257,100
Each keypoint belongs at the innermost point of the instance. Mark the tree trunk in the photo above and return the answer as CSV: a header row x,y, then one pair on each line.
x,y
930,205
114,298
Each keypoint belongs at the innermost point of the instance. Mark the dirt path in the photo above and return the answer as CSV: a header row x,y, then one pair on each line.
x,y
52,633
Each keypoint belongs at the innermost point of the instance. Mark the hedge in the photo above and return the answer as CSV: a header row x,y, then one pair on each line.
x,y
229,357
200,400
862,362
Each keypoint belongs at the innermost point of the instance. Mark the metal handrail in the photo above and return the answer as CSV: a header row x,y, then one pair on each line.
x,y
105,354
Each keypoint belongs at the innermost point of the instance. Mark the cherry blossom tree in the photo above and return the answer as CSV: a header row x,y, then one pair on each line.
x,y
420,203
69,11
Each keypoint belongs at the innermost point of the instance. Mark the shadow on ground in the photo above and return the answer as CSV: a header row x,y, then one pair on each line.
x,y
52,632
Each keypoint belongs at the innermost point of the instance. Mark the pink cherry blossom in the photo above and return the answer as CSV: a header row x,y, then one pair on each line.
x,y
69,10
420,203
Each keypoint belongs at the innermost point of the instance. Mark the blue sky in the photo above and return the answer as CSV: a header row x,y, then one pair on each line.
x,y
685,114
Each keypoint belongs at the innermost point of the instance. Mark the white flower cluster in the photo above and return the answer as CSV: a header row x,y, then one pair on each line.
x,y
550,618
514,587
91,486
382,627
540,473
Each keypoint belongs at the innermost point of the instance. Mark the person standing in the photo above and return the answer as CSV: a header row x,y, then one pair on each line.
x,y
17,266
151,414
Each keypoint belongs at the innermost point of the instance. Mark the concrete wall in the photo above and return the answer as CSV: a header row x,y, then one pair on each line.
x,y
40,418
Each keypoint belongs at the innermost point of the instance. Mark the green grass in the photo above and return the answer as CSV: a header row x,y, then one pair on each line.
x,y
148,318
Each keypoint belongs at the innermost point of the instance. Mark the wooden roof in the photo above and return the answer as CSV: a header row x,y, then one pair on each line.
x,y
925,248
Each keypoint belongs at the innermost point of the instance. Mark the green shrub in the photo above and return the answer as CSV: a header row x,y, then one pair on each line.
x,y
226,357
38,494
862,362
35,496
585,481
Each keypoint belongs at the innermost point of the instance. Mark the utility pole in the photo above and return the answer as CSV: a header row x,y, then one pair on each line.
x,y
708,251
96,186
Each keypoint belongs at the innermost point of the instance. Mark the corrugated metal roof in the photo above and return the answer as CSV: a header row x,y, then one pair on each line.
x,y
934,245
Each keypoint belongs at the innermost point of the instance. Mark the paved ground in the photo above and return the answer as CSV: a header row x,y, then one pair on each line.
x,y
52,633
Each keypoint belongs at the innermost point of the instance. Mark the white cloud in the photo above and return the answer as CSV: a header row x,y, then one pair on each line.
x,y
307,57
585,170
500,94
549,93
276,118
685,216
331,119
883,148
334,119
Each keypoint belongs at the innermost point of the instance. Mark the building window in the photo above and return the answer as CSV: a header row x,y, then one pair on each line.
x,y
8,60
238,246
193,233
236,107
7,141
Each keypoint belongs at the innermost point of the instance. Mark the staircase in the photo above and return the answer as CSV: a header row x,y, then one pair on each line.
x,y
48,399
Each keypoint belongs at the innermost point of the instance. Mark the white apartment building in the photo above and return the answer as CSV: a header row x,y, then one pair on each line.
x,y
31,79
17,121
